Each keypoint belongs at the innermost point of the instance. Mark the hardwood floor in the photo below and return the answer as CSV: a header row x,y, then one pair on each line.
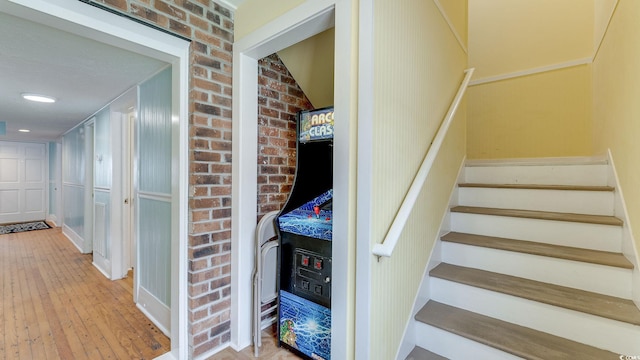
x,y
57,305
268,351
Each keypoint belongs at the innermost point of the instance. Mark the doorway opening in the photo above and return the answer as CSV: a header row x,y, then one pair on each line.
x,y
300,23
108,28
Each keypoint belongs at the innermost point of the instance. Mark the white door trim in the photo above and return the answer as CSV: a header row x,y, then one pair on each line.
x,y
365,180
304,21
82,19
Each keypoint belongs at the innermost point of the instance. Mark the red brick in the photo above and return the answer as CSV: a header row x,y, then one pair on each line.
x,y
118,4
170,10
196,290
198,315
200,23
207,38
206,346
221,306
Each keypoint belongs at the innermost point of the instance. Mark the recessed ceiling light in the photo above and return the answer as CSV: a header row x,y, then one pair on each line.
x,y
38,98
24,130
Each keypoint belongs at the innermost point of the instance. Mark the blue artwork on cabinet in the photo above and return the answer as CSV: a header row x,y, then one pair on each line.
x,y
313,219
305,326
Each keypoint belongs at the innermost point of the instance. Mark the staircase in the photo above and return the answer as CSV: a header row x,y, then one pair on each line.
x,y
532,268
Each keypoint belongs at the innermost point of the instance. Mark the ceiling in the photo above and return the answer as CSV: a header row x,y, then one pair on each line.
x,y
83,75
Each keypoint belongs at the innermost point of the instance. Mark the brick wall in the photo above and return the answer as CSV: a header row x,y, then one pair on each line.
x,y
210,27
279,99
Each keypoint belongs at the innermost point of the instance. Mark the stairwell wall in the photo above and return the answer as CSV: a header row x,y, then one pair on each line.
x,y
418,66
616,110
534,112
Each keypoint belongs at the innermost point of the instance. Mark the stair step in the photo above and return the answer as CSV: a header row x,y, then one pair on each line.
x,y
549,174
592,200
541,249
579,300
419,353
541,215
508,337
538,187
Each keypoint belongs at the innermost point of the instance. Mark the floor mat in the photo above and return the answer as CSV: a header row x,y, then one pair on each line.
x,y
28,226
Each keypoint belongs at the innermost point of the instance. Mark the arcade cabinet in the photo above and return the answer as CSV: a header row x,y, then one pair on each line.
x,y
305,232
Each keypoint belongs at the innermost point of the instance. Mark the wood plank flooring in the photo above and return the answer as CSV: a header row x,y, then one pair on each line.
x,y
542,215
538,187
57,305
541,249
268,351
579,300
517,340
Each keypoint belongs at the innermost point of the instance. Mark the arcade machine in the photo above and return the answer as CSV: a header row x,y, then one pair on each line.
x,y
305,232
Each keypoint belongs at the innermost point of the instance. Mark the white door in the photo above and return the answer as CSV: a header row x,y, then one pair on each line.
x,y
22,182
153,200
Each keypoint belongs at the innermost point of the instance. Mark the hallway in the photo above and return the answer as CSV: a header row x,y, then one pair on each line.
x,y
57,305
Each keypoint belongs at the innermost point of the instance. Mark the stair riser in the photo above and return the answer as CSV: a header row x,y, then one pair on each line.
x,y
567,201
453,346
602,279
590,175
588,236
596,331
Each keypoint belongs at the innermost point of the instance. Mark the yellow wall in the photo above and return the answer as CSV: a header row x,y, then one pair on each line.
x,y
252,14
507,36
602,13
541,115
456,12
310,62
546,114
616,114
418,66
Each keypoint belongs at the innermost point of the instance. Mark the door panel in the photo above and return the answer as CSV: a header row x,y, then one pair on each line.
x,y
22,182
152,199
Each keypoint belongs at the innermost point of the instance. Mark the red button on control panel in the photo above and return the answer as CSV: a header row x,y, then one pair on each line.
x,y
305,260
318,264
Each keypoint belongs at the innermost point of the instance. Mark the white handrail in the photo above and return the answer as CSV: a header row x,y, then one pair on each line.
x,y
386,247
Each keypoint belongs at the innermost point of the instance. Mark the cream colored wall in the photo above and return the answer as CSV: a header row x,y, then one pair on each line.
x,y
252,14
506,36
418,66
602,13
547,114
456,11
541,115
616,109
310,62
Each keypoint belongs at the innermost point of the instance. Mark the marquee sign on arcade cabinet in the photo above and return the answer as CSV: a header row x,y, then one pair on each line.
x,y
305,232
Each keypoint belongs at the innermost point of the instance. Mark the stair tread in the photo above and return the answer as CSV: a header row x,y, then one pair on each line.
x,y
538,187
574,299
419,353
514,339
542,215
542,249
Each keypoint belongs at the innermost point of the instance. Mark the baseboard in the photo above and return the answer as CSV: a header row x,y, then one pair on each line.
x,y
53,220
209,354
629,248
73,236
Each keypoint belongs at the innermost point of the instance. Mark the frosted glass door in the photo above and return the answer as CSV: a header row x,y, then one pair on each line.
x,y
153,200
101,202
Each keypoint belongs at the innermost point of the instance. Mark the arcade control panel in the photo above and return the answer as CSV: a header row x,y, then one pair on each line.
x,y
313,275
